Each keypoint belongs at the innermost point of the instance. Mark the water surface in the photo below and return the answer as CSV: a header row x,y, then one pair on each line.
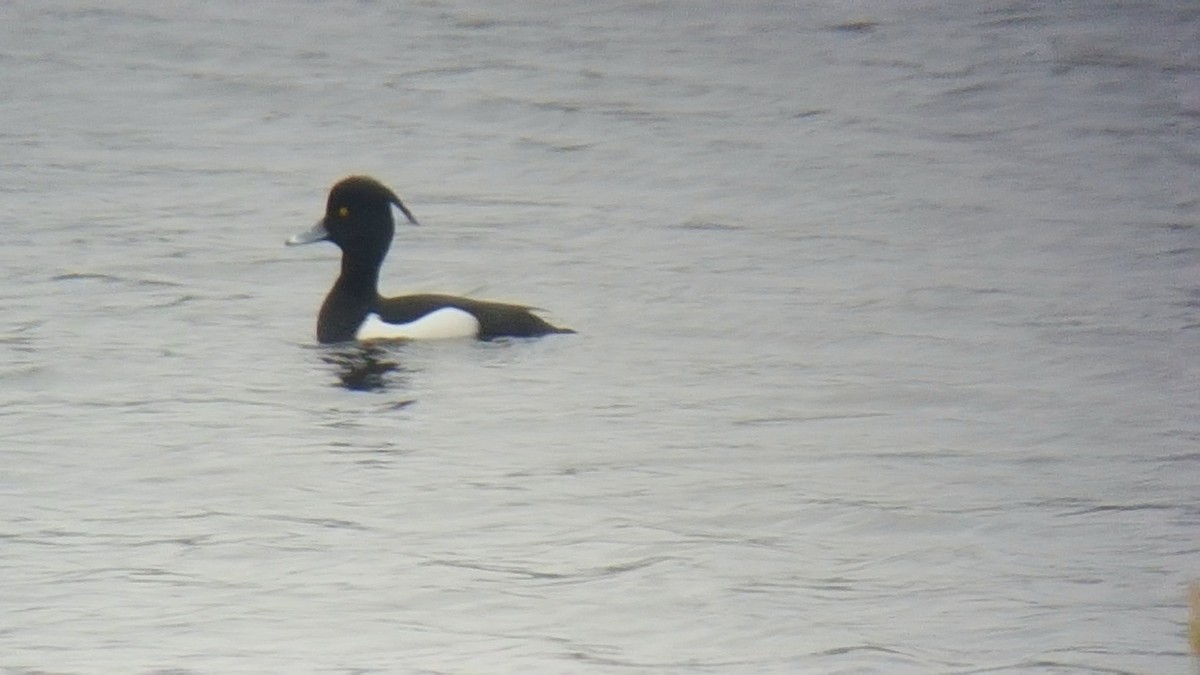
x,y
888,320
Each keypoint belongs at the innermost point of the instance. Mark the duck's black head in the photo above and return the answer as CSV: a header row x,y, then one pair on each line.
x,y
358,218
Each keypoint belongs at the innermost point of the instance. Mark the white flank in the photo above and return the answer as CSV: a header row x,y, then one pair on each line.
x,y
446,322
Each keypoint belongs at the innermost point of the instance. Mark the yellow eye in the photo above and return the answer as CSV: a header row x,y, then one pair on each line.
x,y
343,212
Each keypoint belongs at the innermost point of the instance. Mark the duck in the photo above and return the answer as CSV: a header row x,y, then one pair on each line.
x,y
358,219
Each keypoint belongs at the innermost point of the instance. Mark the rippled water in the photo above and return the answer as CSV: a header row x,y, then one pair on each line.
x,y
889,318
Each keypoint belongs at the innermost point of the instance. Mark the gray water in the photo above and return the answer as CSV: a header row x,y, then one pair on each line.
x,y
888,313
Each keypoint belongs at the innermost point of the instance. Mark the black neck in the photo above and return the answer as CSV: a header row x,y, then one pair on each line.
x,y
354,295
359,277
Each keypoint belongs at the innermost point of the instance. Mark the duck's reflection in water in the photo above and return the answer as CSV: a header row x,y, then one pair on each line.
x,y
367,366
